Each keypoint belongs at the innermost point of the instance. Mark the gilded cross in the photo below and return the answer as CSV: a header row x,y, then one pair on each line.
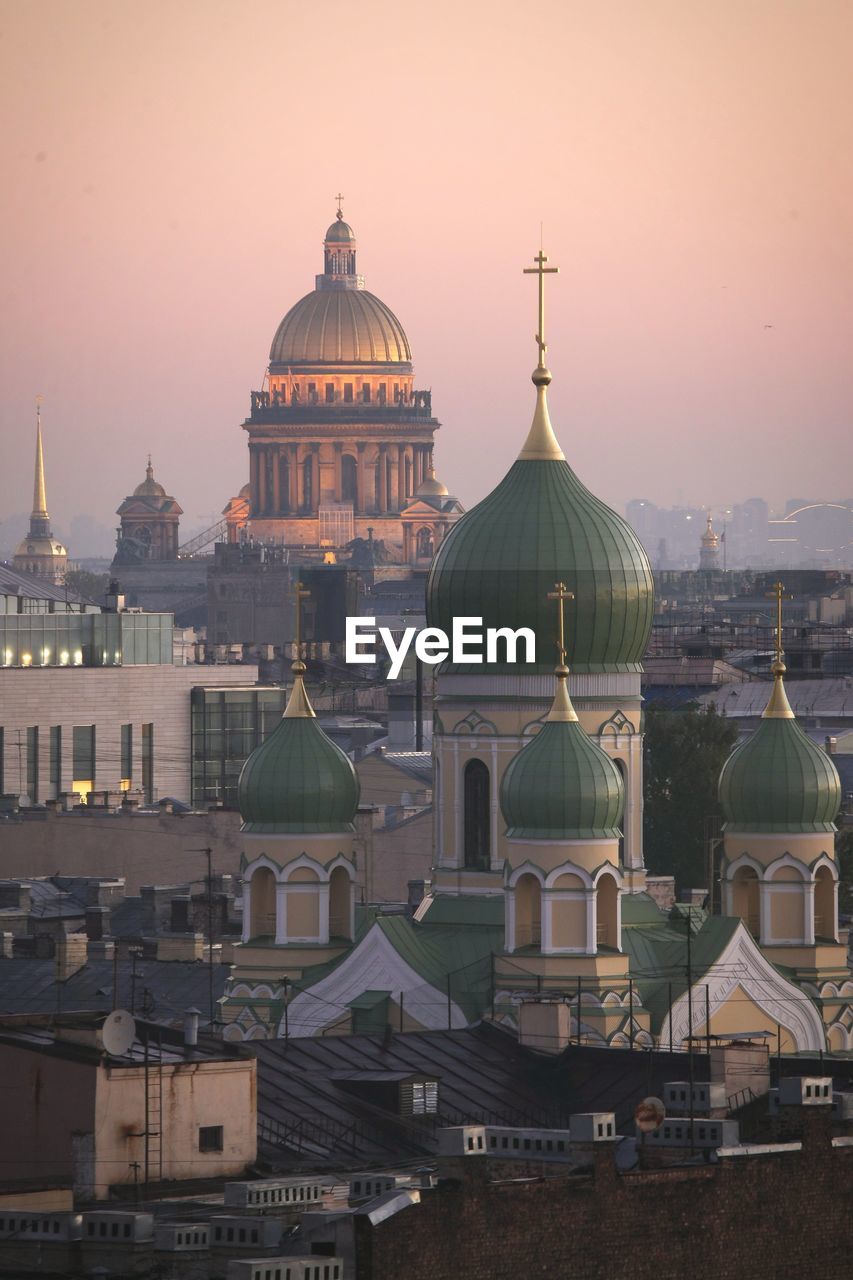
x,y
780,594
301,593
541,271
561,594
339,197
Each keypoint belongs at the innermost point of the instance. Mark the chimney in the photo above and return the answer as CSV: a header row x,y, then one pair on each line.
x,y
97,923
191,1017
831,745
544,1025
71,954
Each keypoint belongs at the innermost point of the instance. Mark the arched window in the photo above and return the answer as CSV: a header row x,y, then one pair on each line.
x,y
349,481
262,889
528,911
825,924
424,544
620,765
340,894
745,898
477,815
607,912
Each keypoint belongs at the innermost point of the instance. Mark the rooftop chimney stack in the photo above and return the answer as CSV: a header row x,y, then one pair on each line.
x,y
191,1017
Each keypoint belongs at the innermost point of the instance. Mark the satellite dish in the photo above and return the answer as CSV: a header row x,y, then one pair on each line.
x,y
649,1115
118,1033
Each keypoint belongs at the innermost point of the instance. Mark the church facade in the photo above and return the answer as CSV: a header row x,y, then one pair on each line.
x,y
538,891
340,439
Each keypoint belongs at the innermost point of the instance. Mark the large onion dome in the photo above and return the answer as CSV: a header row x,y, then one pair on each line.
x,y
778,779
540,526
562,786
298,780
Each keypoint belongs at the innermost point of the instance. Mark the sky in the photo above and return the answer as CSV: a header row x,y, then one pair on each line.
x,y
168,172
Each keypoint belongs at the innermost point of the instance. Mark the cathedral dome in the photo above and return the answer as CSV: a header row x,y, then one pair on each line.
x,y
779,780
562,785
340,232
150,488
431,487
339,326
539,526
298,780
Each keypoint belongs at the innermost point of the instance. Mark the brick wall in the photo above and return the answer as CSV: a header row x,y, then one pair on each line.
x,y
771,1217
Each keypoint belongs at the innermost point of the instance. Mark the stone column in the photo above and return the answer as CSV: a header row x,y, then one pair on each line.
x,y
315,476
382,496
293,478
401,477
359,479
276,480
262,480
419,467
338,477
254,472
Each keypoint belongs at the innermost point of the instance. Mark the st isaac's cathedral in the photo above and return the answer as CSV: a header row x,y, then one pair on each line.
x,y
537,910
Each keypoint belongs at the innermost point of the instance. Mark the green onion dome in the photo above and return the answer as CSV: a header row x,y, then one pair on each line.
x,y
778,779
298,780
562,785
540,526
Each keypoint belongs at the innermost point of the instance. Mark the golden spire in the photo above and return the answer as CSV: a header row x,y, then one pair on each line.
x,y
39,495
561,707
541,444
298,705
778,706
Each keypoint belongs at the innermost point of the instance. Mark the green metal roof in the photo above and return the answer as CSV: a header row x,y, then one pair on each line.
x,y
561,784
298,780
779,780
539,526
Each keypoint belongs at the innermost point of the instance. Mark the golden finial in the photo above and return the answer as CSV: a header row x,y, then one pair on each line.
x,y
339,197
561,708
541,444
298,705
778,706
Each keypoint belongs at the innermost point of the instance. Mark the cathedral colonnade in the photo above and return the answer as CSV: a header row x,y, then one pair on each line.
x,y
374,476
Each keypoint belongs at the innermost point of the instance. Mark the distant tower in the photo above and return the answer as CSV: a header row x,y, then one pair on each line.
x,y
709,554
149,523
40,553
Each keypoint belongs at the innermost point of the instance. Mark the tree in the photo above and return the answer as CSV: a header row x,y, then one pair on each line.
x,y
92,586
684,751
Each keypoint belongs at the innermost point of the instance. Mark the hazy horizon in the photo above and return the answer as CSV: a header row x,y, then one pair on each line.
x,y
170,171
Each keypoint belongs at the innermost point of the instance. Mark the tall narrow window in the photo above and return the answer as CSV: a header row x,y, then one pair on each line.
x,y
56,758
349,479
148,762
477,815
33,764
126,756
330,393
83,758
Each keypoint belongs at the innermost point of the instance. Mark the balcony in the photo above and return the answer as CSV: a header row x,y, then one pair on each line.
x,y
271,408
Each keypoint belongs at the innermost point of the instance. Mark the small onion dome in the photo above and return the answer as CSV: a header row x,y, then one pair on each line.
x,y
541,526
562,785
150,488
340,232
778,779
298,780
431,487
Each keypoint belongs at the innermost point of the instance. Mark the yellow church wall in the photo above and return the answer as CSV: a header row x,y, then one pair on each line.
x,y
805,846
568,923
547,855
740,1013
606,966
284,849
303,914
787,914
824,962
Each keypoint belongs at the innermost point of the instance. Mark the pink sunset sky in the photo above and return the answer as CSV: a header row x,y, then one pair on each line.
x,y
168,171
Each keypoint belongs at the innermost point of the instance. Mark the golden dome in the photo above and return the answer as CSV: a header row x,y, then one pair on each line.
x,y
340,326
430,486
710,538
150,488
